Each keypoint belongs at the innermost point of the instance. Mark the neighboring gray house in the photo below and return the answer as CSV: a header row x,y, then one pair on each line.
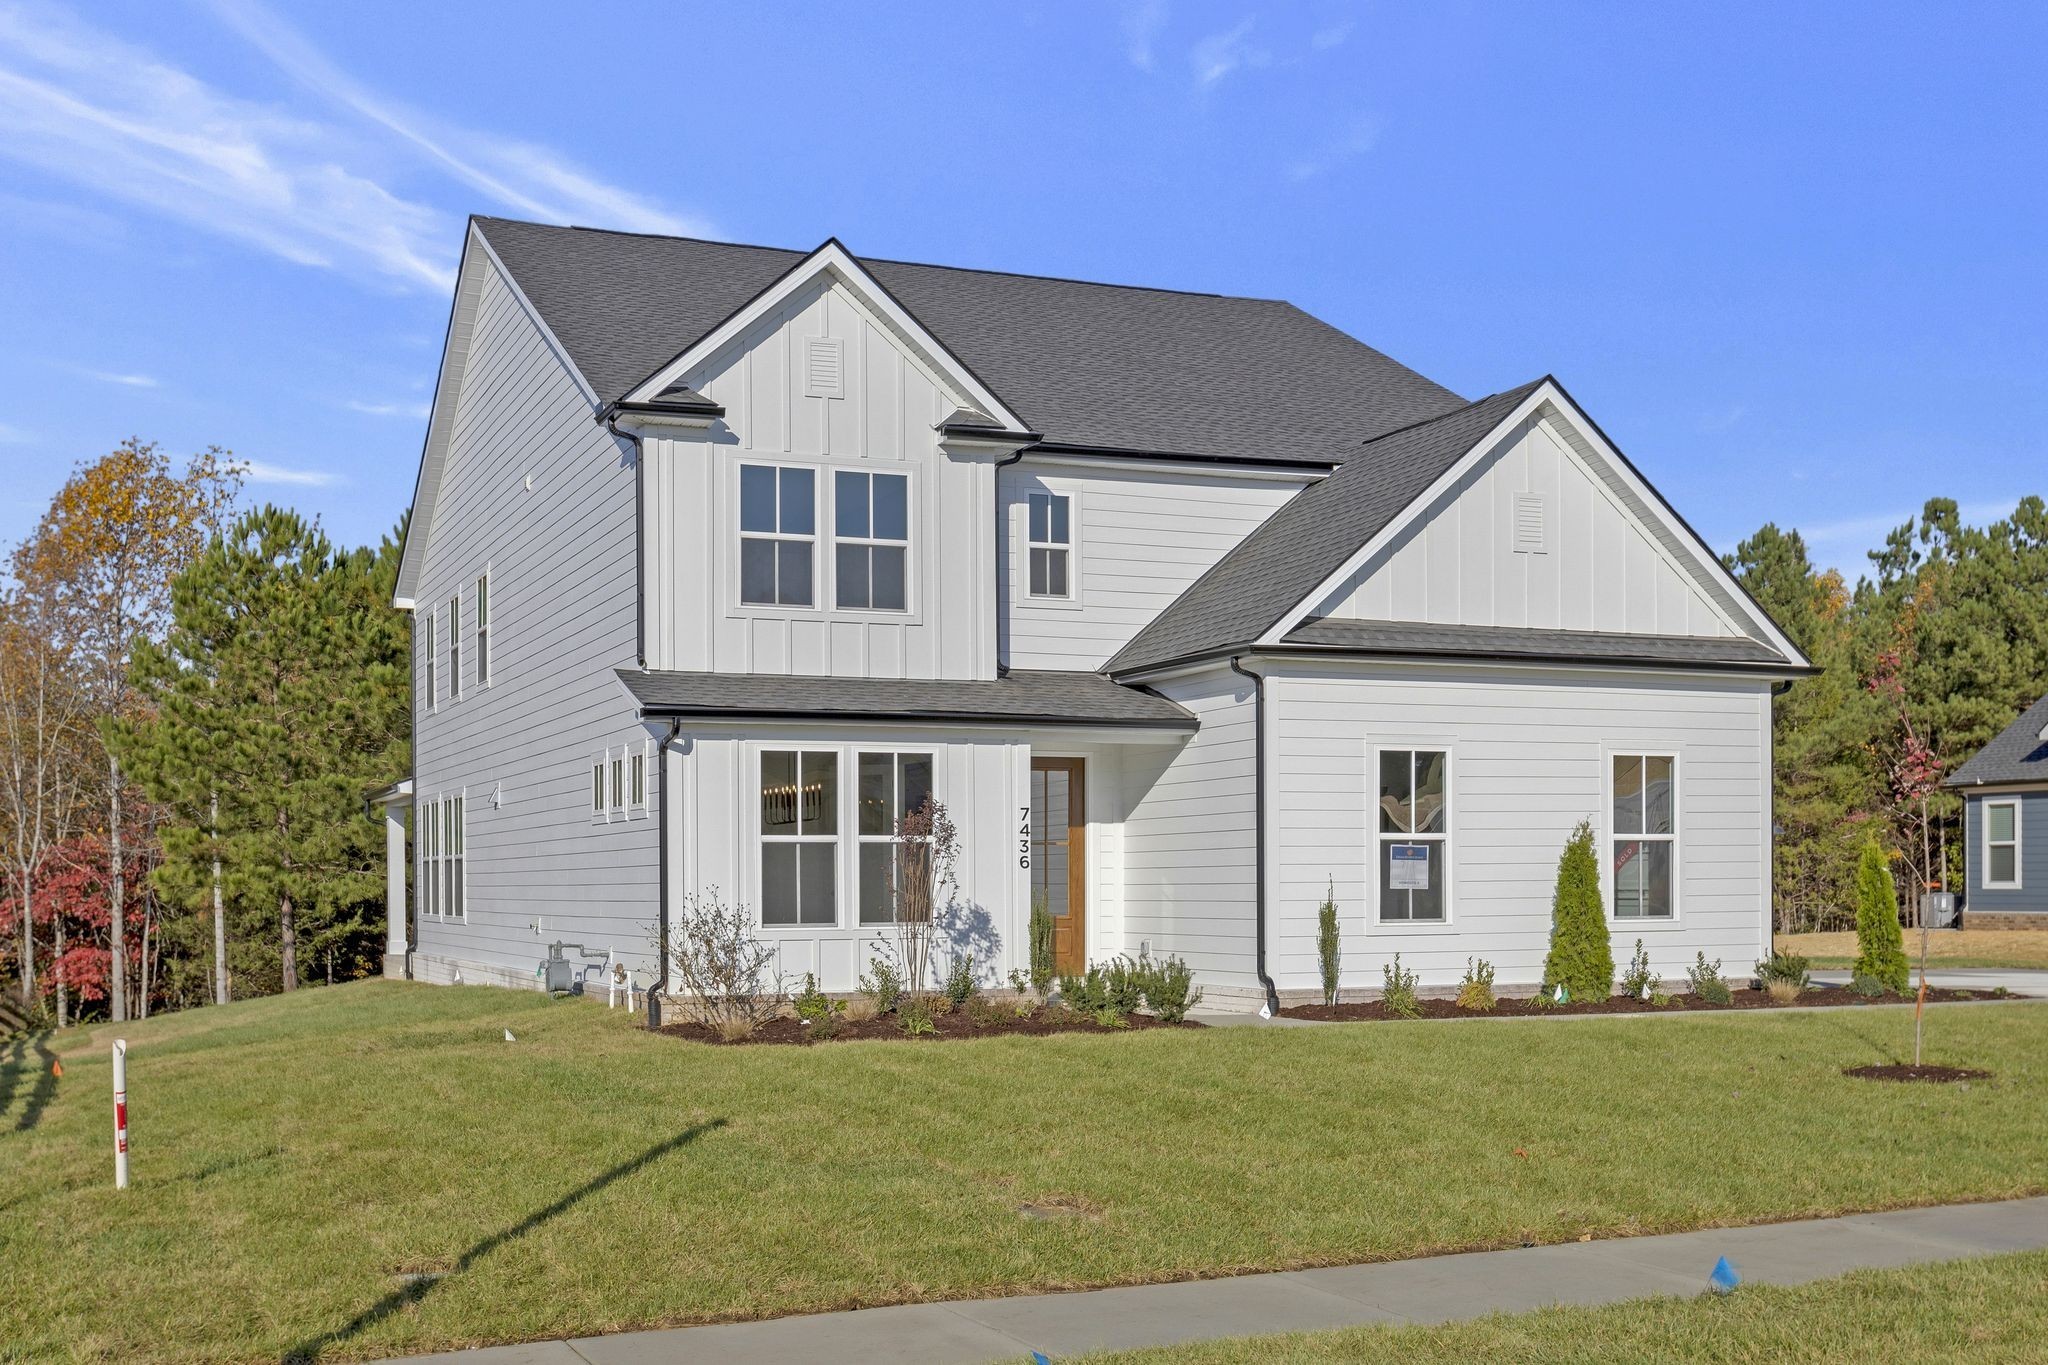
x,y
2005,827
1188,607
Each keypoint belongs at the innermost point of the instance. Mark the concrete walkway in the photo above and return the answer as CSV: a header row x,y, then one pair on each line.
x,y
1429,1290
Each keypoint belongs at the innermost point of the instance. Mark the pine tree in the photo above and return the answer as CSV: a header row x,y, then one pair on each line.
x,y
281,690
1880,945
1328,957
1581,958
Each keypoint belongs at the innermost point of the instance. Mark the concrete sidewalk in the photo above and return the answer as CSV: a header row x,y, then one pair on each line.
x,y
1428,1290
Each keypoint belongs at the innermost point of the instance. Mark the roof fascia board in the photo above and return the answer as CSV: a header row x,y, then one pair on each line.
x,y
966,720
554,343
1038,457
1324,659
839,264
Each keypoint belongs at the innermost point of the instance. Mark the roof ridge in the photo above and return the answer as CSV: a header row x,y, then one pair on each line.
x,y
1454,412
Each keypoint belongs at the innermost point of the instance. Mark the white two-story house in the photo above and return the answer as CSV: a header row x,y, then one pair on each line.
x,y
1191,609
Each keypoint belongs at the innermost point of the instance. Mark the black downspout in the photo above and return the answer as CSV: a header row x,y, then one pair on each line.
x,y
1259,823
661,854
609,416
1002,531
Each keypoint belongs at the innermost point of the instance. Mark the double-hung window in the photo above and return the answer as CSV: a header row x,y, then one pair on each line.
x,y
1414,835
891,786
452,858
597,806
1644,842
427,653
455,647
438,839
778,536
426,830
483,631
636,779
799,837
871,540
2001,845
1050,545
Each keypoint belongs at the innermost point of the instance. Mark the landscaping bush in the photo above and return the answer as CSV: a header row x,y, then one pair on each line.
x,y
1580,959
1397,991
1326,944
1869,987
1789,968
1123,987
1880,945
883,984
960,984
1638,981
813,1006
1706,981
1041,944
1082,994
1475,992
1169,987
916,1016
1781,991
720,969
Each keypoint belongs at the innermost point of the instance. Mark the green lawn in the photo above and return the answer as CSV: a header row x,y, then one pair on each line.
x,y
2008,948
295,1157
1983,1311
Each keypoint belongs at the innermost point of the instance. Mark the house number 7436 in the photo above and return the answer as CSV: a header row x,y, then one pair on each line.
x,y
1024,836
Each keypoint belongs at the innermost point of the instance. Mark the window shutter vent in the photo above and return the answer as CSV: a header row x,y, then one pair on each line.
x,y
1531,534
824,367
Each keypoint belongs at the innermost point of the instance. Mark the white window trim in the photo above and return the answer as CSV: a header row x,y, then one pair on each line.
x,y
830,474
760,840
600,787
895,755
480,614
1605,835
2018,839
639,768
455,646
1448,840
1072,598
818,540
442,816
432,621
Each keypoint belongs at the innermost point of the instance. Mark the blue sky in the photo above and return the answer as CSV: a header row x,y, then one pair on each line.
x,y
1794,262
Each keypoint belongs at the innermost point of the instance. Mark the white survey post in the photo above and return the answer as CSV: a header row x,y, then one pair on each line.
x,y
120,1113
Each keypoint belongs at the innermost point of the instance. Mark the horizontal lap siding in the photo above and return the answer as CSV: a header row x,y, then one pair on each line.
x,y
1529,752
2032,893
560,557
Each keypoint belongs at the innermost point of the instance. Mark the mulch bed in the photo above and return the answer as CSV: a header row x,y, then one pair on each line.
x,y
1899,1071
1434,1008
998,1022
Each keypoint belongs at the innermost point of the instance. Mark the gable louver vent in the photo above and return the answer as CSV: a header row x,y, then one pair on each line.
x,y
824,367
1530,530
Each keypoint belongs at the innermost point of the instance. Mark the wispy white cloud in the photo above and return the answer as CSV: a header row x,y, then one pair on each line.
x,y
1143,23
1219,54
132,381
13,435
1844,543
414,410
1333,36
257,471
1353,140
1724,419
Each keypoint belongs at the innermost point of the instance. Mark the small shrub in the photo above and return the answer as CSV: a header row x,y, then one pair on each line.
x,y
981,1012
1705,978
1580,959
1019,982
1397,991
1109,1018
1784,967
1083,994
1638,981
1880,944
1475,992
858,1010
1123,986
735,1028
1327,955
1169,987
1869,987
813,1006
883,984
1782,992
960,983
1041,944
917,1017
722,972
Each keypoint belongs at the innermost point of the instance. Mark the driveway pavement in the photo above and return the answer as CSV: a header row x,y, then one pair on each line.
x,y
2014,979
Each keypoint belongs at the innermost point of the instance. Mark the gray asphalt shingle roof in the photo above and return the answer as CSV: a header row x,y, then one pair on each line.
x,y
1113,366
1271,570
1021,697
2018,754
1418,637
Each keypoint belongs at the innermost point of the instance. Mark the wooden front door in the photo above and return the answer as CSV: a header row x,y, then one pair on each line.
x,y
1059,853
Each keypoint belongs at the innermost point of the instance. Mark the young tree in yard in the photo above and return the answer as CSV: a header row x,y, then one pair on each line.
x,y
276,699
1880,946
107,548
928,846
1581,959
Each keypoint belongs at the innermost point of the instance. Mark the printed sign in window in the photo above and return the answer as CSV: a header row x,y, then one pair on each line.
x,y
1408,867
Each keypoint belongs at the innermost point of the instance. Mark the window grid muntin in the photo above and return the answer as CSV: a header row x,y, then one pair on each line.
x,y
1397,905
816,826
785,505
1631,817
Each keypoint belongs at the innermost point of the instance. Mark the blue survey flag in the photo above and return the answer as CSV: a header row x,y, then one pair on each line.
x,y
1040,1358
1724,1279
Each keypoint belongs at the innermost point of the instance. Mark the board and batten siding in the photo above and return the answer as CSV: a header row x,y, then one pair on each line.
x,y
1600,567
2032,892
559,552
1529,755
1189,840
885,423
1139,539
981,778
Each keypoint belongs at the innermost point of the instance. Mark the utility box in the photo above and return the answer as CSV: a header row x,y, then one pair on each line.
x,y
1938,909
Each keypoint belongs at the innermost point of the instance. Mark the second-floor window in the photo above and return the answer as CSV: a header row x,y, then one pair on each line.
x,y
483,631
455,647
778,536
427,653
1051,545
871,540
2002,845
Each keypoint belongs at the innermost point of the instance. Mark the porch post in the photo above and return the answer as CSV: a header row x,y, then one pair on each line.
x,y
394,890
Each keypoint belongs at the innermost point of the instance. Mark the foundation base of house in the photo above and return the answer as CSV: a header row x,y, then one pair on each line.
x,y
1993,919
394,967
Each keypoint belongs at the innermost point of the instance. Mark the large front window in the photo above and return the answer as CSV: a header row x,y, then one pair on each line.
x,y
2002,844
1414,834
891,787
778,535
870,540
1645,838
799,837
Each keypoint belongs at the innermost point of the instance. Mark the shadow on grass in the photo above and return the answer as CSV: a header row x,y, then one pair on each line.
x,y
418,1289
1861,1030
16,1067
